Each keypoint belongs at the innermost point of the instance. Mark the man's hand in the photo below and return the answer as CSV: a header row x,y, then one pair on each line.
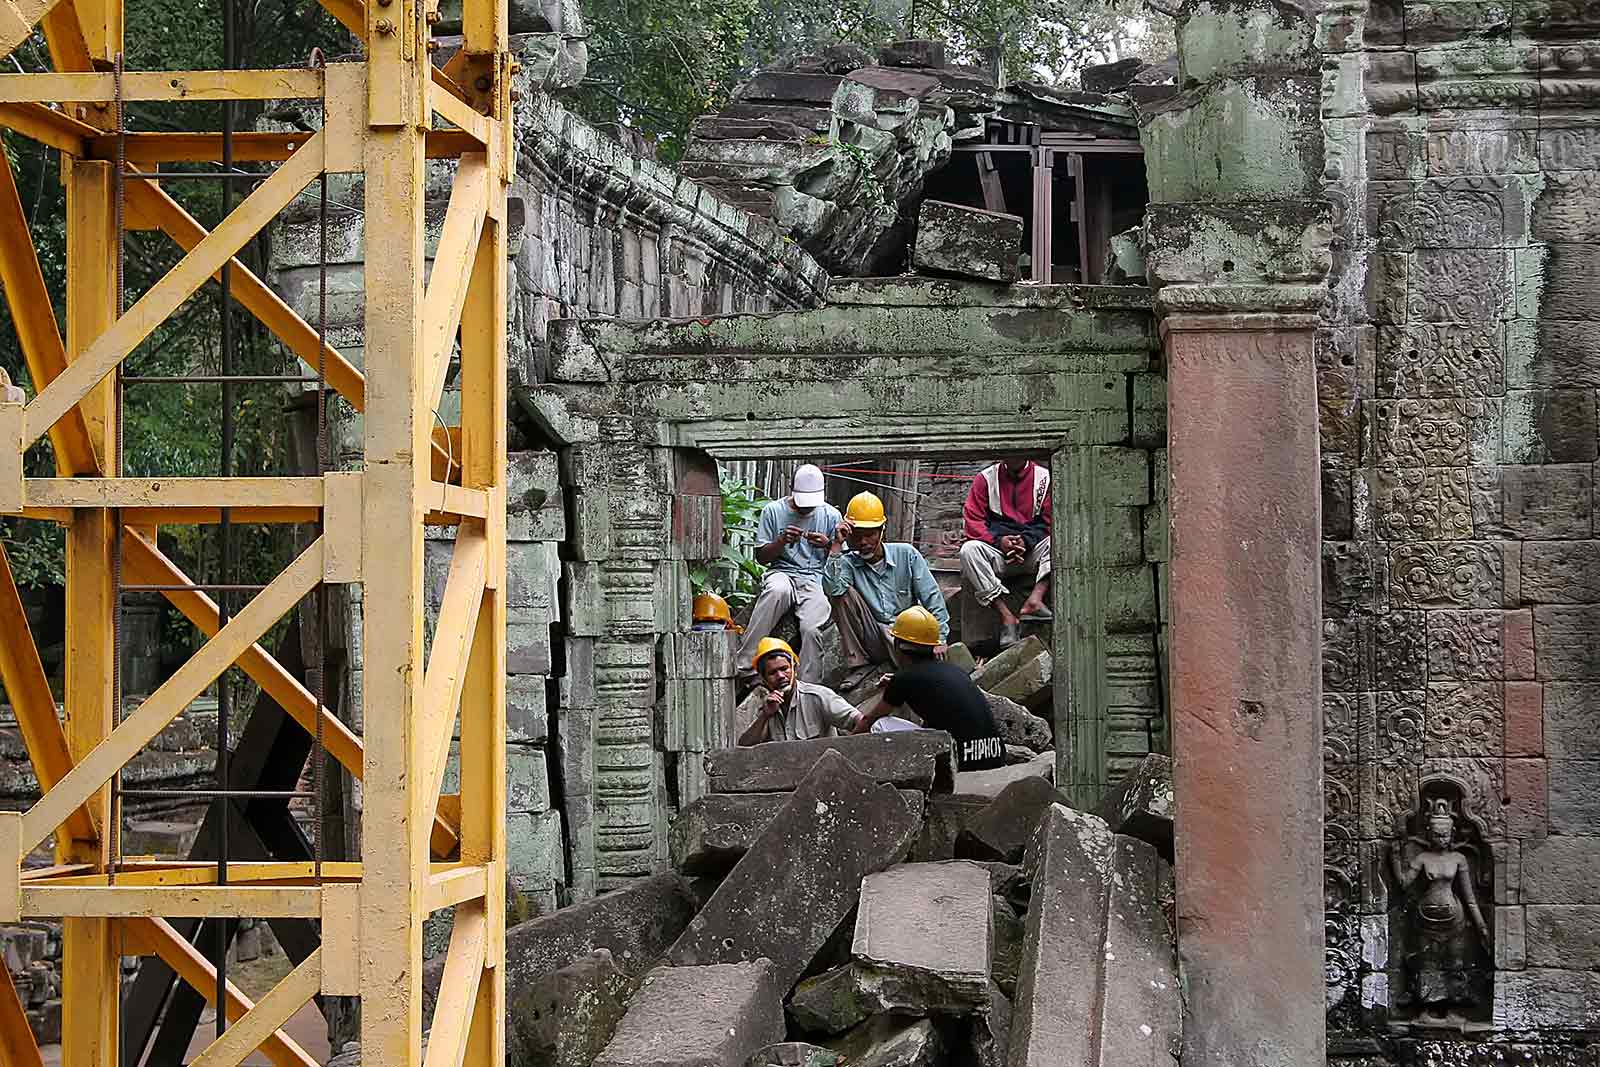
x,y
772,704
820,540
940,650
841,534
884,680
1013,547
792,534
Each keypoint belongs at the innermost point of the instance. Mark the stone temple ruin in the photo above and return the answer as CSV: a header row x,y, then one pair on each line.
x,y
1353,292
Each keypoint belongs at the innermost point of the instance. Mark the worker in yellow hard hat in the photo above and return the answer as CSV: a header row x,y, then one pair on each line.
x,y
790,709
792,543
872,582
940,695
711,613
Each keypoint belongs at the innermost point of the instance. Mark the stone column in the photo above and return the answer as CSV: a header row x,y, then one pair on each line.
x,y
1246,686
1237,244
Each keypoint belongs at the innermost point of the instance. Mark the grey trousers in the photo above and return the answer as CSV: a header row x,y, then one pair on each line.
x,y
862,637
984,568
779,593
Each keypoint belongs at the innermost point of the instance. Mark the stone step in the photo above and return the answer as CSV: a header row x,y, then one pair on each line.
x,y
1098,984
910,759
991,783
712,834
709,1016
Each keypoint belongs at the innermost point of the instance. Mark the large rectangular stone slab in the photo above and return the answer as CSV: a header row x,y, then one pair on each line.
x,y
967,241
911,759
711,1016
922,938
802,876
1561,870
712,834
1098,983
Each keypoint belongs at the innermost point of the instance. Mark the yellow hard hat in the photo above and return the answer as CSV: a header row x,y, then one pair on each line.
x,y
709,607
865,511
768,646
916,625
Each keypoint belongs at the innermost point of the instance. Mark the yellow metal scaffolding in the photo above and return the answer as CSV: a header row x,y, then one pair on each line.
x,y
420,851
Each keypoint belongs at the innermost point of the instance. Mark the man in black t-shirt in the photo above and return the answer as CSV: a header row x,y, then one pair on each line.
x,y
941,694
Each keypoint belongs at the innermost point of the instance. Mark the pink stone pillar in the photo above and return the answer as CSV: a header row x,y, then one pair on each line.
x,y
1246,686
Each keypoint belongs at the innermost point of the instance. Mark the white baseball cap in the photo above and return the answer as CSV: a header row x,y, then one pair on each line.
x,y
807,486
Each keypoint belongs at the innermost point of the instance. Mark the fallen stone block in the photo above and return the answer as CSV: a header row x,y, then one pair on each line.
x,y
711,835
911,759
989,1031
946,815
1098,984
990,783
802,876
1018,725
891,1041
912,54
960,655
636,925
1002,830
921,948
787,87
711,1016
1001,667
922,938
1005,958
1141,805
795,1054
1028,685
967,241
566,1019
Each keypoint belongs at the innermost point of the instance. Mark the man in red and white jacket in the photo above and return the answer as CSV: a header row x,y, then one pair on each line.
x,y
1007,522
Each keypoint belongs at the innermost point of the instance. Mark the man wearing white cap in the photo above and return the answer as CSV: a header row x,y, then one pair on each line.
x,y
792,540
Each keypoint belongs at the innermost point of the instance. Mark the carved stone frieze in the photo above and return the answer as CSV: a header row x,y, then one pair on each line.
x,y
1422,504
1398,640
1569,207
1466,645
1479,74
1341,654
1464,720
1458,285
1441,360
1466,212
1397,725
1446,574
1436,432
1341,724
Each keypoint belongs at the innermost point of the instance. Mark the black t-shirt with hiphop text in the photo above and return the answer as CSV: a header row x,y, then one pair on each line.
x,y
944,698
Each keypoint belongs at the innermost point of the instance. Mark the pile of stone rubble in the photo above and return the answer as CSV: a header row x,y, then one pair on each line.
x,y
851,901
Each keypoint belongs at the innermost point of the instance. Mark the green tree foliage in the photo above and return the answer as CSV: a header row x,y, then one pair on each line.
x,y
658,64
168,429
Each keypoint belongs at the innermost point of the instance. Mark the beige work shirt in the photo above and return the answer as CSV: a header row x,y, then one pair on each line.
x,y
813,711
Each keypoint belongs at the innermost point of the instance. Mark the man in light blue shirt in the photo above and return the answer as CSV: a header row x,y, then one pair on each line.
x,y
792,540
873,582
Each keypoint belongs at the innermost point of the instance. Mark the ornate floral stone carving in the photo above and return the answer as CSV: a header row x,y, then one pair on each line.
x,y
1465,720
1459,574
1442,360
1429,504
1436,432
1465,645
1398,725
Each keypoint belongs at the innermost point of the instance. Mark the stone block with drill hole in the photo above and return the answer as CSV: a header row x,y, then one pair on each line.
x,y
892,1041
991,783
802,876
1002,830
709,836
1141,805
1098,984
1018,725
711,1016
910,759
967,241
566,1019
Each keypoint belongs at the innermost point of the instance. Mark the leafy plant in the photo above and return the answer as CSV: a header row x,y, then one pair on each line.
x,y
735,575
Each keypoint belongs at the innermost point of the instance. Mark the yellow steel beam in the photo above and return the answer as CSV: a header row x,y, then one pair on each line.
x,y
145,564
17,1046
448,888
171,697
48,126
17,20
35,320
174,492
90,368
29,690
298,83
452,270
453,637
458,988
159,939
267,1017
64,36
149,872
176,901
